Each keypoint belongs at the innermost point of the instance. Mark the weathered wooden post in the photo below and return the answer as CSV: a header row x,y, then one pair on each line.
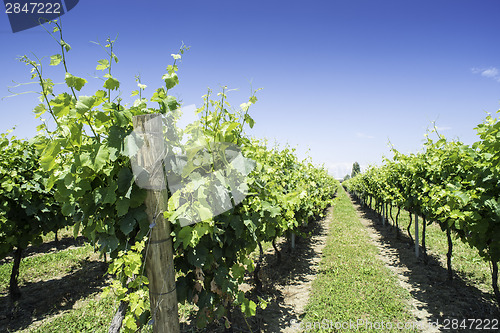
x,y
159,257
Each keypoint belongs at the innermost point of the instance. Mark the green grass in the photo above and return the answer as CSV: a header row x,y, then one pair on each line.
x,y
89,314
92,314
352,284
46,266
61,233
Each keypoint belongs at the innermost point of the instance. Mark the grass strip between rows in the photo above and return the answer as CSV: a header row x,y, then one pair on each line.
x,y
46,266
353,288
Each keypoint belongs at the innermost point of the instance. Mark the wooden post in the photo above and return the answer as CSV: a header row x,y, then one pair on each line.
x,y
159,257
416,236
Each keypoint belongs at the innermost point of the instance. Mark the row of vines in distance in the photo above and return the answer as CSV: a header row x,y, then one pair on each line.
x,y
449,183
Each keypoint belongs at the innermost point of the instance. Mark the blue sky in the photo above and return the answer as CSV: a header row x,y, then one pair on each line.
x,y
340,78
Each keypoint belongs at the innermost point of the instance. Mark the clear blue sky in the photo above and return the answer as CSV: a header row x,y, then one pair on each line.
x,y
340,78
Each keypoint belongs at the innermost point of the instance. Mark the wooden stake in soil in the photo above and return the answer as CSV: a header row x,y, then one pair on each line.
x,y
14,291
159,257
383,215
449,254
416,235
494,280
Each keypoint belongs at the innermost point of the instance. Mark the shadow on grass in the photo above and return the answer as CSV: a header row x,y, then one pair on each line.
x,y
48,247
442,299
47,298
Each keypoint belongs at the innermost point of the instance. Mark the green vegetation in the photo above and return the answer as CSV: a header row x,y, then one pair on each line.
x,y
355,169
27,207
46,266
466,260
451,184
352,283
82,172
88,158
92,314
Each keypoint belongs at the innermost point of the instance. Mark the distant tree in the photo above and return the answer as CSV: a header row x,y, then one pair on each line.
x,y
346,177
355,169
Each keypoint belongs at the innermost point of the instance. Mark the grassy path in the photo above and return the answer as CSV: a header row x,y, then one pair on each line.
x,y
353,288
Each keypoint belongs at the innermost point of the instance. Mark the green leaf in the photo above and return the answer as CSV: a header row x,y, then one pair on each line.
x,y
122,206
251,227
74,81
48,158
236,223
76,229
62,104
238,271
55,60
85,159
129,322
171,102
171,80
47,86
110,196
138,196
65,45
103,64
198,256
100,95
249,120
68,208
249,308
122,118
127,224
131,144
172,69
84,104
39,110
125,178
116,137
101,158
111,83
